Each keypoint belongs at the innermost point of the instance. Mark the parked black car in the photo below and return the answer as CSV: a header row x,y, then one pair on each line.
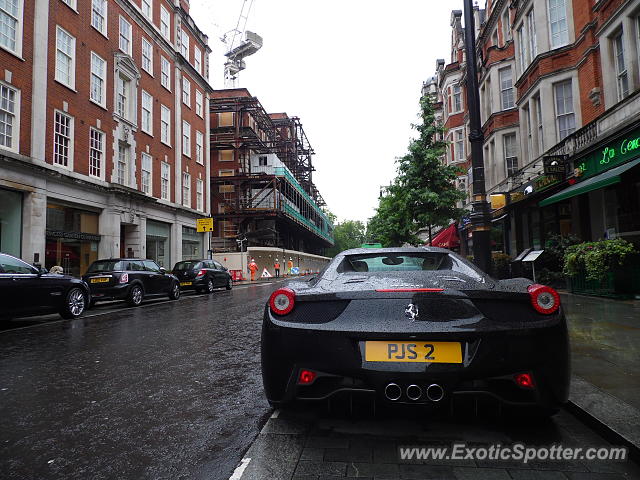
x,y
202,275
130,279
25,290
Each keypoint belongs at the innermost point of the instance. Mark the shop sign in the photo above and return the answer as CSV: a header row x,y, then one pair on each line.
x,y
610,155
498,200
555,164
91,237
204,224
545,181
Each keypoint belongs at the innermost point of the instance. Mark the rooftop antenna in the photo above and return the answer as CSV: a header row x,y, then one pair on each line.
x,y
241,44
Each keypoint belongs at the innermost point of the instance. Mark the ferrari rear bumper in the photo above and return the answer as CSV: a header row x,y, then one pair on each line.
x,y
492,362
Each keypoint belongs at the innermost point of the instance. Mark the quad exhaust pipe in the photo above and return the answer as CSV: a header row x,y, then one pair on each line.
x,y
434,392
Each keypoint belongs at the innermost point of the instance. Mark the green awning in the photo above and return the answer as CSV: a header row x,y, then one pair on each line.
x,y
601,180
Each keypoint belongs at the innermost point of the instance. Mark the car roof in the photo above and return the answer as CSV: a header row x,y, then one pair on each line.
x,y
373,251
123,260
196,260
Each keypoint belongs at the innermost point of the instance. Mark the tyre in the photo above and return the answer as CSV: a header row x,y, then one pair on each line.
x,y
74,304
136,296
209,287
174,292
229,284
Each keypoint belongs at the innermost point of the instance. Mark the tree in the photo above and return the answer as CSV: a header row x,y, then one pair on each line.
x,y
346,235
424,193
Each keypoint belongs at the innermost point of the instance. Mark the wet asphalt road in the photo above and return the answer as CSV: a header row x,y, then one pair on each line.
x,y
168,390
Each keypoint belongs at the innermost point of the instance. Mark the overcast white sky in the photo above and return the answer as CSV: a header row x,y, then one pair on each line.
x,y
350,69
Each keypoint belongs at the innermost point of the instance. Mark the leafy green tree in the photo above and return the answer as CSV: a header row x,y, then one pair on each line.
x,y
346,235
424,193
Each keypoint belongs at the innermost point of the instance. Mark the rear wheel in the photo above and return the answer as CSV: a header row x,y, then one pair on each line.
x,y
135,296
74,304
229,284
174,292
209,287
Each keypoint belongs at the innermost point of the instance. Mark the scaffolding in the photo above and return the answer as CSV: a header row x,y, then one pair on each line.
x,y
273,205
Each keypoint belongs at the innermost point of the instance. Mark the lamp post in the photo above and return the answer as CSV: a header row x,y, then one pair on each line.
x,y
480,213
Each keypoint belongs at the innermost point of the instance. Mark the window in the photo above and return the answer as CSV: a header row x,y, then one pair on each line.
x,y
125,36
199,194
147,113
147,56
565,118
197,59
225,119
186,92
494,38
506,25
506,88
262,161
165,23
620,65
165,73
122,97
8,117
457,98
71,3
145,180
184,44
11,25
522,58
199,147
528,128
186,138
459,145
65,58
165,175
225,156
186,189
538,107
63,139
510,153
122,165
99,15
558,27
147,9
199,102
165,125
98,91
96,152
531,35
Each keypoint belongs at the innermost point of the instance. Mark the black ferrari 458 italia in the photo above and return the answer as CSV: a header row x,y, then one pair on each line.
x,y
416,326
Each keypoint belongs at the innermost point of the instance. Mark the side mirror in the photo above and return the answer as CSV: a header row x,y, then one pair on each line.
x,y
163,270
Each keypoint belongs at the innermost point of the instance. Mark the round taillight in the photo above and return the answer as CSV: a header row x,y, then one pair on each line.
x,y
282,301
544,299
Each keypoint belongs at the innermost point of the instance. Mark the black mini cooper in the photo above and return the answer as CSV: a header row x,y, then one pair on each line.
x,y
130,279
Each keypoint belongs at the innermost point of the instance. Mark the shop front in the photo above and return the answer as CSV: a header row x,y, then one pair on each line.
x,y
192,244
10,222
606,189
71,238
159,243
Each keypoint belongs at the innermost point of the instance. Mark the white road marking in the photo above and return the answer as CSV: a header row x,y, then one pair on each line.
x,y
275,414
237,473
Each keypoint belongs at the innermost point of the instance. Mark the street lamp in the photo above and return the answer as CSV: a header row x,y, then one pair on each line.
x,y
480,214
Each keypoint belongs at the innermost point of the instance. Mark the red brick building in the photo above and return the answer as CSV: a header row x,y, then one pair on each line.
x,y
559,85
103,148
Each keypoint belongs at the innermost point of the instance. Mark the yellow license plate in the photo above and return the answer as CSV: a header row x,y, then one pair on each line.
x,y
185,284
420,352
99,280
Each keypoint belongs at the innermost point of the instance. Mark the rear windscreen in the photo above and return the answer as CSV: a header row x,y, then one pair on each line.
x,y
403,262
107,266
183,266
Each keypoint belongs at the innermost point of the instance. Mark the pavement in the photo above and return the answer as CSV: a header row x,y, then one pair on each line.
x,y
605,349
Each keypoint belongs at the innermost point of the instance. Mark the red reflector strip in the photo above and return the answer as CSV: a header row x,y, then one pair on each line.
x,y
386,290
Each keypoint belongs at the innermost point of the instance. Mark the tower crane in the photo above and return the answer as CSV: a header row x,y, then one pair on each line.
x,y
242,43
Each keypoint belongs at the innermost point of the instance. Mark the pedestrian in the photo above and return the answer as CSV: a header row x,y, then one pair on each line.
x,y
289,265
253,268
276,267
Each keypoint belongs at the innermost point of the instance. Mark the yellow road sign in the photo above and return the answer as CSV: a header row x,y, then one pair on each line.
x,y
204,224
